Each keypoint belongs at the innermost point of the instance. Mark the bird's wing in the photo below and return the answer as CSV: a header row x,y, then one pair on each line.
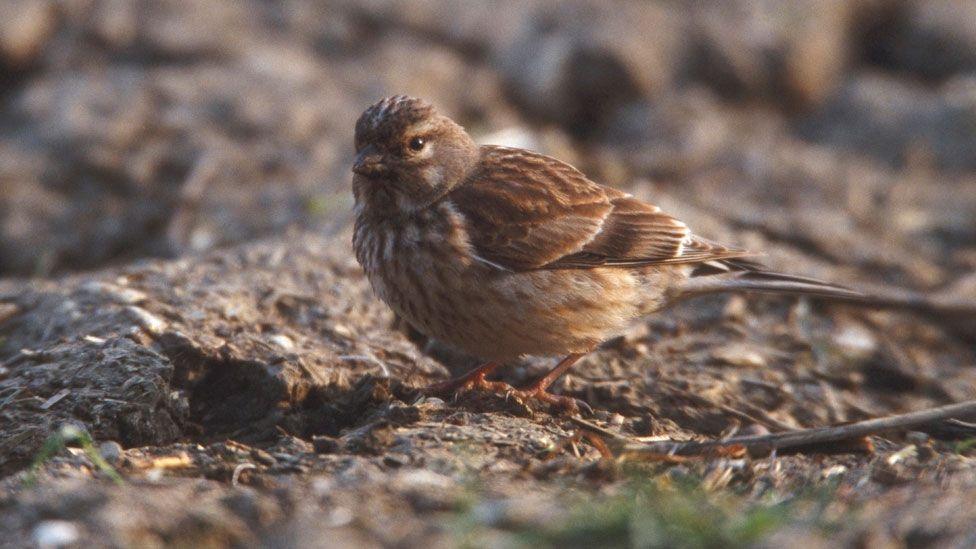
x,y
528,211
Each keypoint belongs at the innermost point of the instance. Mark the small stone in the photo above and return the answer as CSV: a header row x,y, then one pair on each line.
x,y
149,322
56,533
542,443
740,355
111,451
283,341
855,341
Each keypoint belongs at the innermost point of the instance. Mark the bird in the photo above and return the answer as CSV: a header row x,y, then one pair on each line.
x,y
505,253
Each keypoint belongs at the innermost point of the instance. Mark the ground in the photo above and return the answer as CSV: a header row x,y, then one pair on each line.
x,y
190,355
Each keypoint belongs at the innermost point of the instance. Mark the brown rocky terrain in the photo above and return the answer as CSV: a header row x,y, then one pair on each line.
x,y
190,356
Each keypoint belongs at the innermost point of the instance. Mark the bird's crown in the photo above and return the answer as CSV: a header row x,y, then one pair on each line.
x,y
392,116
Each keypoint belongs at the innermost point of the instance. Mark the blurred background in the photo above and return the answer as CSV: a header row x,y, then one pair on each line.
x,y
836,134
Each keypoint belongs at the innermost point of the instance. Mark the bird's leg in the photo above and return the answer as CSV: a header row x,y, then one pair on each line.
x,y
537,390
475,379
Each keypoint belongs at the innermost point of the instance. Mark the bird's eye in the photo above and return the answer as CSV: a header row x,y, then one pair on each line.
x,y
417,144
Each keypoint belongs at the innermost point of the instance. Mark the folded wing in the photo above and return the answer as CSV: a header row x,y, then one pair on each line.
x,y
528,211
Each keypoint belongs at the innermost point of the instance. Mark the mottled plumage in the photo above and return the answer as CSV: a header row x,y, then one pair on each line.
x,y
504,252
530,211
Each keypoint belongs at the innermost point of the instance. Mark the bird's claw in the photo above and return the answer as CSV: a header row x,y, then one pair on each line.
x,y
456,388
565,404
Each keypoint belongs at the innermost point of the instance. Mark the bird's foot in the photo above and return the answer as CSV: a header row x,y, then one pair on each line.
x,y
564,404
474,381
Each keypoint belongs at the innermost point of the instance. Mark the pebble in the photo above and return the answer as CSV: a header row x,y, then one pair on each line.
x,y
111,451
739,355
855,341
283,341
56,533
146,320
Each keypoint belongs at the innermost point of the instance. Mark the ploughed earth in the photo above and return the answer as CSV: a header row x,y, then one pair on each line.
x,y
190,355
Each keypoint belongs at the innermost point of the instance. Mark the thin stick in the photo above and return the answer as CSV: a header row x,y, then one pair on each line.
x,y
764,444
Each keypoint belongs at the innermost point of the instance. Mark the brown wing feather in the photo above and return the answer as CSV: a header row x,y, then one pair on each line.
x,y
529,211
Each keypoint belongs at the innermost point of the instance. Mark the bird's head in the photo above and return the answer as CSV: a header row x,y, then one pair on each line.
x,y
410,153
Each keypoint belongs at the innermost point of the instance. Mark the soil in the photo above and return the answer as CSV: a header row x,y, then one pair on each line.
x,y
190,355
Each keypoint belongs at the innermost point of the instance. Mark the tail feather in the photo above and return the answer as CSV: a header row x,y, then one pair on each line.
x,y
738,275
770,282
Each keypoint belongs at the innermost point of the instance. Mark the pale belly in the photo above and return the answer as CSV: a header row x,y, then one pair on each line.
x,y
498,315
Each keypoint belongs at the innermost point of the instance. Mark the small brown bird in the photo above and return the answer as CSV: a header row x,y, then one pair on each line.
x,y
504,252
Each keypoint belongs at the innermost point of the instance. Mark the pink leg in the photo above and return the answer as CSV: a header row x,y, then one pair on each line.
x,y
537,390
475,380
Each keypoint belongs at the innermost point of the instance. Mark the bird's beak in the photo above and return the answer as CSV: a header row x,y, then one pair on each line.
x,y
369,162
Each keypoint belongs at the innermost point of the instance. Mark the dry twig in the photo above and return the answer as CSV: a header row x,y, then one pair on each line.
x,y
848,437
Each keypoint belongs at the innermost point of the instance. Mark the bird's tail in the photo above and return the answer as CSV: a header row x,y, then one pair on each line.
x,y
745,276
771,283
